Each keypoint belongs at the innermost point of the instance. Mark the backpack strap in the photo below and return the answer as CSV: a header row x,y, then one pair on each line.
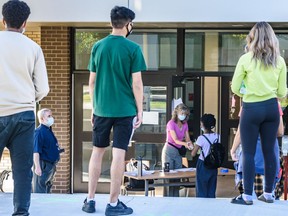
x,y
208,142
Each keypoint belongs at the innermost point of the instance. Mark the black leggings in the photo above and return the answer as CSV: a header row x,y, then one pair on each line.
x,y
259,118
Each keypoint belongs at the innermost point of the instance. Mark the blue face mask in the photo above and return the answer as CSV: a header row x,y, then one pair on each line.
x,y
202,129
50,121
181,117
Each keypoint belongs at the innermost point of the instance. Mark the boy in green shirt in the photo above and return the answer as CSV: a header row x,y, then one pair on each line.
x,y
116,92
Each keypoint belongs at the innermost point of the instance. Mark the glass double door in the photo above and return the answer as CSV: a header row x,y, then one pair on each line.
x,y
149,139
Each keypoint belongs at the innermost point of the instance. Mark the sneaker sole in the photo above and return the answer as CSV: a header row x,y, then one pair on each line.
x,y
88,211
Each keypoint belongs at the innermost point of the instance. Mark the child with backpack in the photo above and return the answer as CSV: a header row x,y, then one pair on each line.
x,y
206,178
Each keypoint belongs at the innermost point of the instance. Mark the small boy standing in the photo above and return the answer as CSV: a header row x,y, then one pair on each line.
x,y
206,179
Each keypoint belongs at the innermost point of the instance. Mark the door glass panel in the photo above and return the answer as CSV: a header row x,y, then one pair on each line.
x,y
151,153
87,109
106,163
155,102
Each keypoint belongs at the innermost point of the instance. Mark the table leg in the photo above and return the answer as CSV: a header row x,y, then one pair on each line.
x,y
146,187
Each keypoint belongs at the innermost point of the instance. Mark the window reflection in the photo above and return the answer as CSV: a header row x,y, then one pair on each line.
x,y
106,162
194,56
87,109
154,101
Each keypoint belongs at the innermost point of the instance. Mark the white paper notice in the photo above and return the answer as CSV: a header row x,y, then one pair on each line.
x,y
151,118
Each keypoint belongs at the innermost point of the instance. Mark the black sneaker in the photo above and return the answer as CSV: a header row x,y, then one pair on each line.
x,y
119,209
89,207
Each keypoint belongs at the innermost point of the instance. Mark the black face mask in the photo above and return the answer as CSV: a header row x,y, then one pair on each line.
x,y
129,32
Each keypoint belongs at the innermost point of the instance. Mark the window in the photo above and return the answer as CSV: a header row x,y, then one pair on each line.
x,y
231,48
159,48
194,54
84,40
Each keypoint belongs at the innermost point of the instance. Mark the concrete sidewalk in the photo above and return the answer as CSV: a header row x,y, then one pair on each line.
x,y
71,204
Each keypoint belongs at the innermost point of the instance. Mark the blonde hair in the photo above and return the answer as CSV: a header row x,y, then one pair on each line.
x,y
180,107
41,113
263,43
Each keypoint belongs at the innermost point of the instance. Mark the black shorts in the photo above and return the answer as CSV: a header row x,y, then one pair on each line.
x,y
122,130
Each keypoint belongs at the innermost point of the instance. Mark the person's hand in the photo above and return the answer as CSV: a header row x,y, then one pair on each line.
x,y
138,120
190,146
92,118
233,155
38,171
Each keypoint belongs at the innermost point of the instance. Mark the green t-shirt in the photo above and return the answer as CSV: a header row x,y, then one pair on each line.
x,y
261,83
114,59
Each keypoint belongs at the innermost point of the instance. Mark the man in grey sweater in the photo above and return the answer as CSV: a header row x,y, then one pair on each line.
x,y
23,82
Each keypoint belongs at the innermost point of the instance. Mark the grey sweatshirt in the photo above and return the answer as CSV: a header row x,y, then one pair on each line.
x,y
23,74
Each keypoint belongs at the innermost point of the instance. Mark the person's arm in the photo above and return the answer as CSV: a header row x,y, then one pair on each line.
x,y
92,79
282,85
280,131
238,77
235,145
137,87
40,78
176,140
36,159
195,150
188,140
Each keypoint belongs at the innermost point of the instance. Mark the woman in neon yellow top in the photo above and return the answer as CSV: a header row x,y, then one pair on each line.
x,y
260,78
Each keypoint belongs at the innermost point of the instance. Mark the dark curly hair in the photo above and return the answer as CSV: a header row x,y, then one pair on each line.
x,y
208,121
15,13
120,16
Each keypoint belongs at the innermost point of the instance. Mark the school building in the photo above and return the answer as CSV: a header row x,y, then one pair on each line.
x,y
191,49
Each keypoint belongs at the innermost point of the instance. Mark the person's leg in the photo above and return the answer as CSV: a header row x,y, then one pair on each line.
x,y
201,180
21,153
50,178
122,130
40,181
168,155
117,171
249,126
268,131
95,165
212,184
100,137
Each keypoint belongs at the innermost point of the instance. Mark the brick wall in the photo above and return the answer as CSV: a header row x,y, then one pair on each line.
x,y
55,42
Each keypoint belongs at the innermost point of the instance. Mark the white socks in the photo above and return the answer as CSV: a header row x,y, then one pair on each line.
x,y
268,196
88,199
113,204
247,197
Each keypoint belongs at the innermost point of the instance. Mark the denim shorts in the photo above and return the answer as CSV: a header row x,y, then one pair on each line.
x,y
122,130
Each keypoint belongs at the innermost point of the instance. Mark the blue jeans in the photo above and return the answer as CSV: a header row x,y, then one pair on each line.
x,y
17,134
44,183
206,181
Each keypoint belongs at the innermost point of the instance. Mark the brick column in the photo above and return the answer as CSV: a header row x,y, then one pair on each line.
x,y
55,42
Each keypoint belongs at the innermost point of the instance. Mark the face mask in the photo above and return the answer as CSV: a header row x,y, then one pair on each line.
x,y
181,117
50,121
23,30
129,32
202,129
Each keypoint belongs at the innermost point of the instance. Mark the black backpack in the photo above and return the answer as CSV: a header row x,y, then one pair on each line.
x,y
215,156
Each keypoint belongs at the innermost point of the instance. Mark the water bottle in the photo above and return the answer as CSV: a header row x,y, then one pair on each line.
x,y
139,166
243,88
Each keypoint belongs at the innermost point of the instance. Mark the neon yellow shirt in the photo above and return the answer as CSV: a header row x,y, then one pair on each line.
x,y
262,83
